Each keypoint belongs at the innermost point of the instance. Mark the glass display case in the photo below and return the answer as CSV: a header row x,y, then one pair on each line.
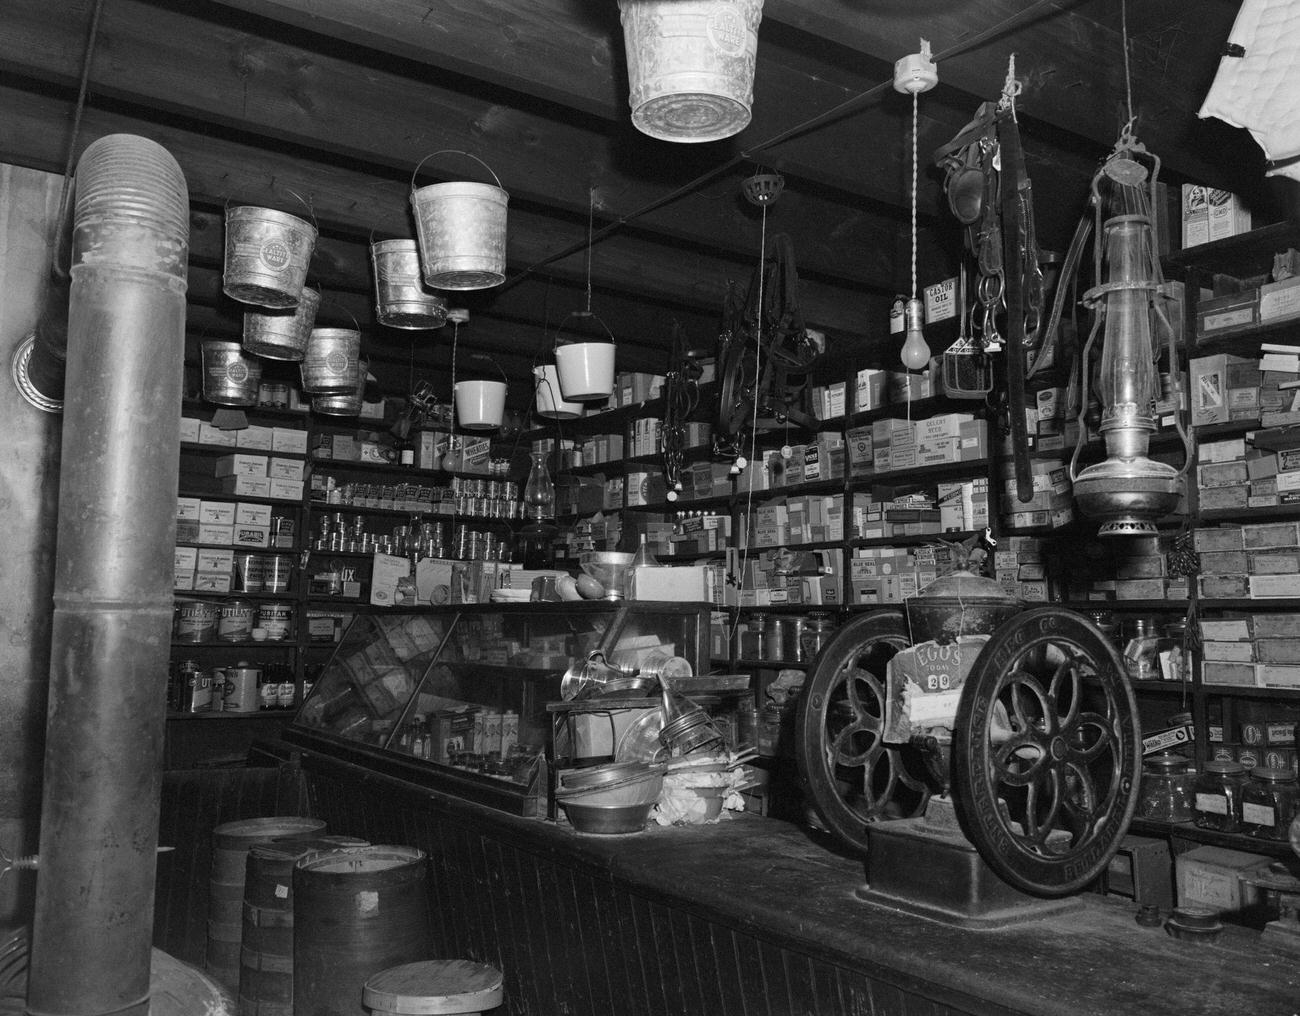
x,y
456,697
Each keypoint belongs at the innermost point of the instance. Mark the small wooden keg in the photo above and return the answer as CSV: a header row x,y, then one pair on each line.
x,y
434,988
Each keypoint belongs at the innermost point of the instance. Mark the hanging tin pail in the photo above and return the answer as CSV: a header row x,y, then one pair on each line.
x,y
690,66
230,378
346,404
480,405
401,299
282,335
586,365
550,403
462,231
267,253
329,367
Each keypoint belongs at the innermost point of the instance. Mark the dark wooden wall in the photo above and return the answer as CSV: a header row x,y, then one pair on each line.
x,y
570,939
194,802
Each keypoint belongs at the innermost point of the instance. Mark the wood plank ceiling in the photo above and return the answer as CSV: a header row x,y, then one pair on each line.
x,y
331,105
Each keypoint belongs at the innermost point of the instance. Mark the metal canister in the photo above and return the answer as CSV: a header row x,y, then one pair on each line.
x,y
249,572
277,569
235,620
191,689
196,620
276,619
282,529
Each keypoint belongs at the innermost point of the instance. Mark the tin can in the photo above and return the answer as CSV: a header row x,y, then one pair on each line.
x,y
234,620
196,620
240,689
277,570
282,530
276,619
248,572
190,690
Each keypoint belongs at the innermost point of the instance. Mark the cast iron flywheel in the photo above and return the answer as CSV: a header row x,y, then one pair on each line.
x,y
852,777
1046,751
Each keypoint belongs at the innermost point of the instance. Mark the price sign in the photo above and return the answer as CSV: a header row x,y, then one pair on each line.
x,y
941,301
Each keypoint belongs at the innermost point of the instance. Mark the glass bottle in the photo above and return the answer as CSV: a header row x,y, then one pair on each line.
x,y
1218,791
816,633
1269,802
539,491
1165,793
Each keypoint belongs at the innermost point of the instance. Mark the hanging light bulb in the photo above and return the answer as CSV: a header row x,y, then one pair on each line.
x,y
916,351
914,74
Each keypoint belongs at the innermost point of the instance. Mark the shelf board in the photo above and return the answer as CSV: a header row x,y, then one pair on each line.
x,y
789,608
703,555
920,409
1249,605
397,471
1086,606
195,448
931,474
913,541
1242,256
772,664
182,594
188,490
1191,831
241,644
260,714
193,407
1249,691
833,485
1282,511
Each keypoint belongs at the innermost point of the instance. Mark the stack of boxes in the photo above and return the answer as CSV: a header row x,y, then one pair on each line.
x,y
892,574
828,401
1052,503
701,534
1209,213
781,577
1124,570
913,514
823,459
1021,568
894,445
796,520
226,527
1267,742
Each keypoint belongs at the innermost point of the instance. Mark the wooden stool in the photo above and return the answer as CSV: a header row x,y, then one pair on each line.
x,y
434,988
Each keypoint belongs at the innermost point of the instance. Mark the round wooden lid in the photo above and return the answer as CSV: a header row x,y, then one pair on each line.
x,y
434,987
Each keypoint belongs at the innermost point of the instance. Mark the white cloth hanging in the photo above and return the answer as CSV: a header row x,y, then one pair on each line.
x,y
1257,85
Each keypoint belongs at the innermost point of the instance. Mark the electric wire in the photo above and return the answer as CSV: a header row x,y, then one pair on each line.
x,y
750,153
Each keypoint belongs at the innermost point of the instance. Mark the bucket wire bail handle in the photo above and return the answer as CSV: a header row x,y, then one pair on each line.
x,y
586,312
307,205
588,315
453,151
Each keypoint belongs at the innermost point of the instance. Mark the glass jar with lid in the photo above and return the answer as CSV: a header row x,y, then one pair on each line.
x,y
1165,793
1218,790
816,633
1142,649
774,639
1269,802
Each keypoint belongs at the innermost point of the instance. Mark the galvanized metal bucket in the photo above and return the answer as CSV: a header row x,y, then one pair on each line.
x,y
267,254
230,378
282,335
690,66
330,364
550,403
401,298
345,404
461,229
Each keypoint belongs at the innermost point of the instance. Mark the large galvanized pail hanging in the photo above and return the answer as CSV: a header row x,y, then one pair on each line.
x,y
267,254
461,229
230,378
330,365
346,404
282,335
401,298
690,66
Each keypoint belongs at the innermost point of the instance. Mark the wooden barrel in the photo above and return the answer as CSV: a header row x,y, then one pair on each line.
x,y
230,844
266,949
356,912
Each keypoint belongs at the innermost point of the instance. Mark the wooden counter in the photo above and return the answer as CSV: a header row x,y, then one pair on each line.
x,y
752,917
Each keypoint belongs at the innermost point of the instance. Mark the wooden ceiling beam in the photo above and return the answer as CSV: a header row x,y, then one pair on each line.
x,y
219,171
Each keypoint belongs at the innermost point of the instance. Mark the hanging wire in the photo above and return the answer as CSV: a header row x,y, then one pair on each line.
x,y
749,154
591,203
65,196
1128,79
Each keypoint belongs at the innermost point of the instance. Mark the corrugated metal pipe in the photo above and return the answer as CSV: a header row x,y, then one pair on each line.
x,y
93,926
